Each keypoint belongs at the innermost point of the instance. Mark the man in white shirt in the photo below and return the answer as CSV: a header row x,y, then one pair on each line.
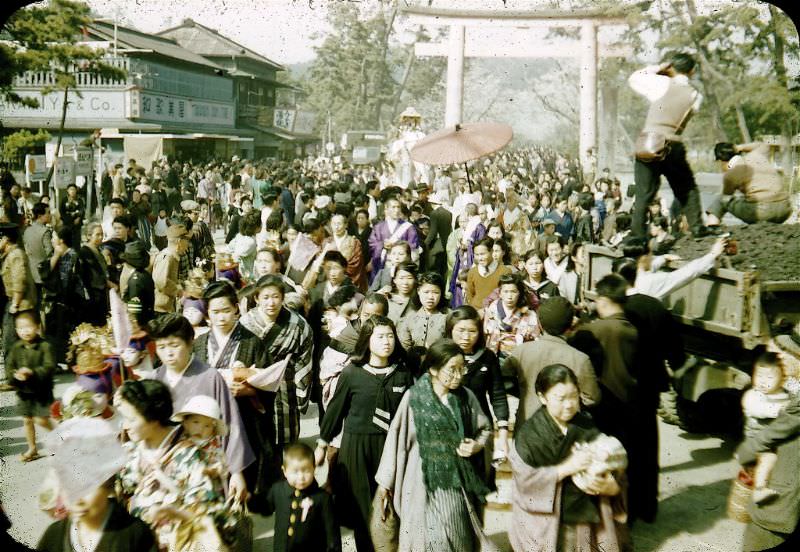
x,y
672,102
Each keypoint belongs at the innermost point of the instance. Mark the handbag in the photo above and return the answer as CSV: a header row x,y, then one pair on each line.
x,y
652,145
239,530
385,534
740,497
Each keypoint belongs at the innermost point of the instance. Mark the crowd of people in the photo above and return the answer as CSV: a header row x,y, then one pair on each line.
x,y
213,303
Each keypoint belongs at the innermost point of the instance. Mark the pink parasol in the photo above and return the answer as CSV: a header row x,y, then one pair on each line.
x,y
462,143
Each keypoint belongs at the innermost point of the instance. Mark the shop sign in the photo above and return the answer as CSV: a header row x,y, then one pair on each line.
x,y
64,173
161,107
93,105
35,168
83,160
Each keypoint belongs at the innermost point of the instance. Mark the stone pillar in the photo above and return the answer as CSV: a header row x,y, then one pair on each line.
x,y
588,98
455,77
608,127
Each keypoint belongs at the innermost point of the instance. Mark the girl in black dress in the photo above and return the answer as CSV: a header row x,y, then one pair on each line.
x,y
483,376
365,401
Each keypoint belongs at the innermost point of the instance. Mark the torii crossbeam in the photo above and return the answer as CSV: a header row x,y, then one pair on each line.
x,y
587,51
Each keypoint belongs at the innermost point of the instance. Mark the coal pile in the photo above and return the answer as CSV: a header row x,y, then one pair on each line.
x,y
773,250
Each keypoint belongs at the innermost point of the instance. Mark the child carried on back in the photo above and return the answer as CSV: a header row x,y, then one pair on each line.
x,y
761,404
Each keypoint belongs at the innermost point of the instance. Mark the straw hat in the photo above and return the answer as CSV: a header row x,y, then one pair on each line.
x,y
204,406
86,453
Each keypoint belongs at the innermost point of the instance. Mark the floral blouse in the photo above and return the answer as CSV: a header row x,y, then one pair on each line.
x,y
503,333
179,477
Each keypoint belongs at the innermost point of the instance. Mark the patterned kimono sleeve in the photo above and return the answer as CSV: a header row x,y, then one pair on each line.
x,y
201,492
302,359
129,476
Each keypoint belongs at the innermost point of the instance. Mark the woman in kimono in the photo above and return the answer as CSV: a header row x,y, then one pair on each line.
x,y
187,376
232,349
367,395
508,321
65,296
404,286
426,473
460,250
95,275
165,481
550,513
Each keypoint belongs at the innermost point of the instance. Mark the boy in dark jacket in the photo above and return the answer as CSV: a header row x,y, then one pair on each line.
x,y
304,517
31,363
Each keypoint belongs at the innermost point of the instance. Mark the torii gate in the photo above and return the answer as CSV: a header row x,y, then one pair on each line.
x,y
586,50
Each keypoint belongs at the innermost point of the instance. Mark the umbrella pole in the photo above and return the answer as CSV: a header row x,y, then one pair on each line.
x,y
469,182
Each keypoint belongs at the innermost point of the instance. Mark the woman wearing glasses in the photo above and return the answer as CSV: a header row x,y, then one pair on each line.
x,y
426,472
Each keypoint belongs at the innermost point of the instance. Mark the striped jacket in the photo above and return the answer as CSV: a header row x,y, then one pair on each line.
x,y
289,335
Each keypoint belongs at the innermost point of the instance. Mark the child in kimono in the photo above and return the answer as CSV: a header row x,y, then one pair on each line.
x,y
304,513
761,404
204,428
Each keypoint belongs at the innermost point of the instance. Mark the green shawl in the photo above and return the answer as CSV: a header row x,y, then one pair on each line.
x,y
440,429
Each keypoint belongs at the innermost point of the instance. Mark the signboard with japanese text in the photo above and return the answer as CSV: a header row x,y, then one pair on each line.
x,y
284,118
83,160
35,168
161,107
64,173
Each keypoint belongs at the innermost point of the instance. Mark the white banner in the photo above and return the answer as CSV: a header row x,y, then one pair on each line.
x,y
94,105
64,174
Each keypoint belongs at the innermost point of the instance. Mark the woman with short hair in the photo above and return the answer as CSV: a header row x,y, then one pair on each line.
x,y
426,472
367,395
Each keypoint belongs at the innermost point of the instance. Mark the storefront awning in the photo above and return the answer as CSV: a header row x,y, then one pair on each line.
x,y
283,134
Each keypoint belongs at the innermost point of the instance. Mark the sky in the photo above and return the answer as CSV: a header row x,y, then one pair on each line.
x,y
282,30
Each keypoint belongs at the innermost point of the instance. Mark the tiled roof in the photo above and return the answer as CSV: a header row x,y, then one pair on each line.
x,y
137,40
209,42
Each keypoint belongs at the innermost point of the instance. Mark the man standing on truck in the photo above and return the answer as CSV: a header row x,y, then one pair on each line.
x,y
660,150
763,197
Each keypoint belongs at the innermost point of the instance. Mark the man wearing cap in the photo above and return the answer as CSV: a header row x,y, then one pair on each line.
x,y
546,237
528,359
422,191
201,238
165,269
441,224
135,282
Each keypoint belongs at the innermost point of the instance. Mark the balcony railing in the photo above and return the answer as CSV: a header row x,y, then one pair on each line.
x,y
40,79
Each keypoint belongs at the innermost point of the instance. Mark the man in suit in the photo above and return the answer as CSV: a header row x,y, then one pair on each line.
x,y
38,243
441,226
660,342
528,359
